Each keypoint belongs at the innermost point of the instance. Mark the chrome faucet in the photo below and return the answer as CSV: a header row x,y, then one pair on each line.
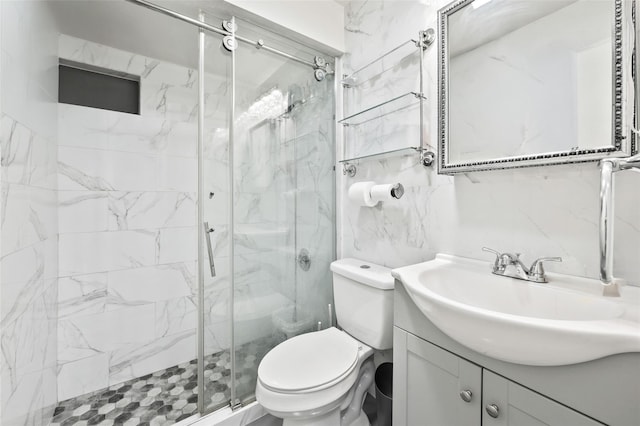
x,y
510,265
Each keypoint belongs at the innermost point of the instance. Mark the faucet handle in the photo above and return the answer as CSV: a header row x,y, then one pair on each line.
x,y
490,250
537,269
498,262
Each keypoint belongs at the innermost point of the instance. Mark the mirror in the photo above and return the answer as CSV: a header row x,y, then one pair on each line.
x,y
533,82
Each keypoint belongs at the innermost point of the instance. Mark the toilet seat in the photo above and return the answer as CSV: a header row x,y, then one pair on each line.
x,y
309,362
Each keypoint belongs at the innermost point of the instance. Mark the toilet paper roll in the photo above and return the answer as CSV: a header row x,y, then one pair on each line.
x,y
360,193
381,192
386,192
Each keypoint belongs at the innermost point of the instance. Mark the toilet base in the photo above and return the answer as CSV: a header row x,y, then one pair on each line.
x,y
332,418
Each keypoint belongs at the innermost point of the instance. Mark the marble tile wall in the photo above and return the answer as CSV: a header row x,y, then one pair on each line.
x,y
291,195
28,230
315,196
264,224
127,218
543,211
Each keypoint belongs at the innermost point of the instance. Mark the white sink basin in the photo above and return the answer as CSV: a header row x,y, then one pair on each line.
x,y
565,321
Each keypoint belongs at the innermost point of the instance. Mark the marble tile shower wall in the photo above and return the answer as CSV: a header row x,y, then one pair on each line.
x,y
538,211
264,226
289,200
28,259
315,196
127,218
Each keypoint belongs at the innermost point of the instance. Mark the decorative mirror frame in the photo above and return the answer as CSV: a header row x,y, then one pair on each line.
x,y
625,114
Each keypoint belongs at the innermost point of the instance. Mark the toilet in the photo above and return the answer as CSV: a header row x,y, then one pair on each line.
x,y
321,378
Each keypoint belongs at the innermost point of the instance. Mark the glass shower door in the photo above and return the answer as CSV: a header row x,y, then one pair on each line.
x,y
283,215
214,204
267,197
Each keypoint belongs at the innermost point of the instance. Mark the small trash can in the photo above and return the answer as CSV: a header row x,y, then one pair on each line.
x,y
384,393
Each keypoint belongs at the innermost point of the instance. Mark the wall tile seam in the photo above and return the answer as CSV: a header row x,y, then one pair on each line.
x,y
31,246
29,128
156,155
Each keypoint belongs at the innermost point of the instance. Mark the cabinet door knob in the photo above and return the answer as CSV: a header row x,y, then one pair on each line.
x,y
492,410
466,395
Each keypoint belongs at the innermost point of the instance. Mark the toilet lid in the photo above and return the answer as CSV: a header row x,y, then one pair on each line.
x,y
309,360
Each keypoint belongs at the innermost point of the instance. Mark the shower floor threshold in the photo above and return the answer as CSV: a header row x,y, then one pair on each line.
x,y
167,396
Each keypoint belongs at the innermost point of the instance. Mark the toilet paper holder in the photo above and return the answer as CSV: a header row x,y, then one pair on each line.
x,y
397,191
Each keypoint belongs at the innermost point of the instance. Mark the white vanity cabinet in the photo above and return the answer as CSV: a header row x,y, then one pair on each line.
x,y
431,371
429,385
506,403
433,387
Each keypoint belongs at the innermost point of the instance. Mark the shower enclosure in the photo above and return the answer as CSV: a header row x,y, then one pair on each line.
x,y
267,204
150,258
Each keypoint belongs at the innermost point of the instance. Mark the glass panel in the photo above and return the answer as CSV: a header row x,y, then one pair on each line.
x,y
283,146
214,199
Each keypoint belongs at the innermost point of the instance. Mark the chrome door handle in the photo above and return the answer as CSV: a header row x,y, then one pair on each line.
x,y
207,235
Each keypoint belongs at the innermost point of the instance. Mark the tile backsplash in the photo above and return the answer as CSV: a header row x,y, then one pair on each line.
x,y
541,211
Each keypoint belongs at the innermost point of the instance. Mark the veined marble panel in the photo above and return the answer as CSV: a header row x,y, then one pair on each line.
x,y
142,286
83,51
28,330
28,261
163,100
314,286
176,316
83,211
30,79
16,142
87,52
258,208
100,170
177,245
254,238
83,127
627,228
29,399
148,209
82,295
315,161
22,266
28,216
18,296
137,359
177,174
83,376
83,336
84,253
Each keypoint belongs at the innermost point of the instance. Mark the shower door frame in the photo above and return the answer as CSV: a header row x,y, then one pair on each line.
x,y
319,66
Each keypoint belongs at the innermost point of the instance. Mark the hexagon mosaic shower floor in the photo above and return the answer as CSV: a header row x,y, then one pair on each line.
x,y
164,397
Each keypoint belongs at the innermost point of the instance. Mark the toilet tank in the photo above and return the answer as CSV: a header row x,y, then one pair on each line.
x,y
363,297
